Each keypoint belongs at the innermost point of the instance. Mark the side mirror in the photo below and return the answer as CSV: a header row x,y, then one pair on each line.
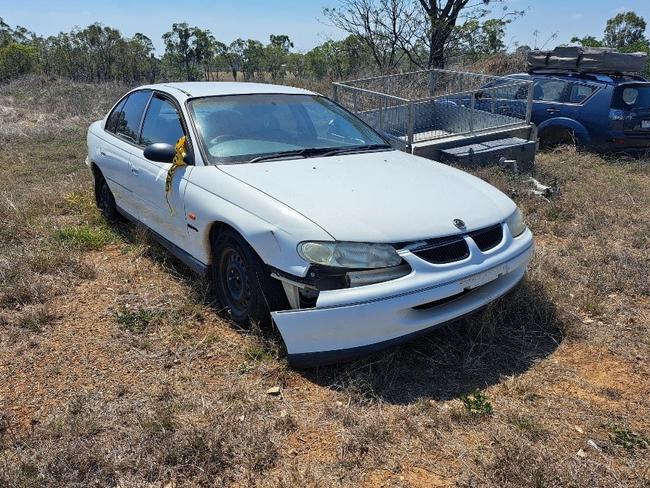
x,y
161,152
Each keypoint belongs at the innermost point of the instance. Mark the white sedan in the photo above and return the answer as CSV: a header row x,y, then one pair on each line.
x,y
305,216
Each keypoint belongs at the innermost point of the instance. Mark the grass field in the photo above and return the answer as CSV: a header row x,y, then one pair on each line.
x,y
117,369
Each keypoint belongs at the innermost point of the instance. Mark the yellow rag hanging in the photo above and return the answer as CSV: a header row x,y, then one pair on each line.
x,y
179,160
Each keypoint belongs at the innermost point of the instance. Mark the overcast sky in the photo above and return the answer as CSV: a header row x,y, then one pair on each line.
x,y
301,20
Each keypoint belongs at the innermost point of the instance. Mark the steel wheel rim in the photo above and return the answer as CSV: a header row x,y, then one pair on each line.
x,y
104,197
234,280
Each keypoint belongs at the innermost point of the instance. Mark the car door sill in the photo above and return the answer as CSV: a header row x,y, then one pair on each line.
x,y
186,258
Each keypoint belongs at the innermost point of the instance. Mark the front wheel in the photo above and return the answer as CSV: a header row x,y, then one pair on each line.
x,y
242,281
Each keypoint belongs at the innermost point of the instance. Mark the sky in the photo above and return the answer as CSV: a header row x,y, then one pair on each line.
x,y
302,20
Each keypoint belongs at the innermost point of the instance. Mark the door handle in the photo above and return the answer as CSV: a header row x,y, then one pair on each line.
x,y
133,169
552,110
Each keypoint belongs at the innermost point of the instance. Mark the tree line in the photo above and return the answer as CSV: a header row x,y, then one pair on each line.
x,y
382,36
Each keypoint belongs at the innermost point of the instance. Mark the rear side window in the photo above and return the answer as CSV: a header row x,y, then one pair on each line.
x,y
128,124
549,90
579,93
162,123
111,121
632,97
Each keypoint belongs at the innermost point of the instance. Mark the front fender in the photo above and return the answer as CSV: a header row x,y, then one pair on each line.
x,y
581,133
271,228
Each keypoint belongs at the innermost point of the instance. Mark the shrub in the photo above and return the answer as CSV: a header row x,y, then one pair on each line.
x,y
17,60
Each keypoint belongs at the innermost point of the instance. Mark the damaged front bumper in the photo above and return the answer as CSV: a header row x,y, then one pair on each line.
x,y
350,322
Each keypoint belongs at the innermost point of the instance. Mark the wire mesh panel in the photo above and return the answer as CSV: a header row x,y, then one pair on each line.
x,y
433,104
386,113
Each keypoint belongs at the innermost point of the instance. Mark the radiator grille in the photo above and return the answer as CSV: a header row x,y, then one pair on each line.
x,y
444,250
454,248
487,238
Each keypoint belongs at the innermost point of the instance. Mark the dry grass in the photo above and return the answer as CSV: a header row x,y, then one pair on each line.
x,y
118,371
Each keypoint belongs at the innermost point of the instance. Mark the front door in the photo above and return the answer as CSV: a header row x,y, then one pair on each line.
x,y
162,211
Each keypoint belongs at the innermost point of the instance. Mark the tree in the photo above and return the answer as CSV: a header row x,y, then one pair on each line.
x,y
253,59
378,23
276,55
625,29
421,30
179,50
587,41
235,56
17,60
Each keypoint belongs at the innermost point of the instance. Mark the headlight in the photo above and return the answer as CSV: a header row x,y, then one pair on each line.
x,y
516,223
349,254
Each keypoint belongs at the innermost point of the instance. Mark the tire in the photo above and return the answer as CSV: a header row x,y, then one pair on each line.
x,y
242,281
105,199
556,136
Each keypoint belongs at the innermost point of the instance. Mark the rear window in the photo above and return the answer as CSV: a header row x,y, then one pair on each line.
x,y
128,124
630,97
579,93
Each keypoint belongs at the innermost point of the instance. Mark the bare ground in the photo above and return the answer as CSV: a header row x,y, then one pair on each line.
x,y
118,370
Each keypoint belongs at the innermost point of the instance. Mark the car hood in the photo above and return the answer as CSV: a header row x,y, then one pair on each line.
x,y
378,196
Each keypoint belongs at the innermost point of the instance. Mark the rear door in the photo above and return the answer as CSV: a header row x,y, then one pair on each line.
x,y
160,210
116,148
633,101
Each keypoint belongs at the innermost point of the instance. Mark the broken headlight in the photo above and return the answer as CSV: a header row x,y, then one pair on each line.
x,y
355,255
516,223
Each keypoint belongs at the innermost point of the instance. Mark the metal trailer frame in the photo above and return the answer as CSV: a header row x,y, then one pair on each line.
x,y
431,110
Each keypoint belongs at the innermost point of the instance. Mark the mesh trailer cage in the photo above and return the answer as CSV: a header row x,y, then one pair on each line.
x,y
433,104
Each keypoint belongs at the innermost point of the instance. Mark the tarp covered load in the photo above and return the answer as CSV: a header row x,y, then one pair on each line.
x,y
587,59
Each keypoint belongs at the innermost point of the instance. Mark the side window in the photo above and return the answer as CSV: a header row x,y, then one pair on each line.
x,y
579,93
128,124
549,90
162,123
111,121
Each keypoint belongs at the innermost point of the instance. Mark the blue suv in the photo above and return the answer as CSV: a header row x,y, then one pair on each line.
x,y
597,111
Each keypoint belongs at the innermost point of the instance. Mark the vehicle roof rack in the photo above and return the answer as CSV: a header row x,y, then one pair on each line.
x,y
587,73
575,59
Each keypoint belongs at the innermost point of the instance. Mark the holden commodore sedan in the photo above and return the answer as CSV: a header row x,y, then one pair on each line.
x,y
304,216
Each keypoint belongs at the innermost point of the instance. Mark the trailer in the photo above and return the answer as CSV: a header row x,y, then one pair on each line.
x,y
449,116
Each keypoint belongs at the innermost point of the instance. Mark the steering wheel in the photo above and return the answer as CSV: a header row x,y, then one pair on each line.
x,y
221,138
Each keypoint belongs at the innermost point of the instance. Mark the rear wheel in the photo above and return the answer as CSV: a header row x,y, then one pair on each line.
x,y
242,281
105,199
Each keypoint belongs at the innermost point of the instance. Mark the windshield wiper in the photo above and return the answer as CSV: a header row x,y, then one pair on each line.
x,y
319,151
306,152
356,149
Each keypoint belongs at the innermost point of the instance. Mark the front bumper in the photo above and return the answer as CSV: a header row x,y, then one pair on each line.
x,y
353,321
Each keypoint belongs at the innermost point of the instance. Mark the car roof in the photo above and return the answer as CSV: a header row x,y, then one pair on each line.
x,y
610,79
194,89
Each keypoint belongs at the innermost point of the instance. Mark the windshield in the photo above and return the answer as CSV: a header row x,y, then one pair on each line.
x,y
243,128
631,97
